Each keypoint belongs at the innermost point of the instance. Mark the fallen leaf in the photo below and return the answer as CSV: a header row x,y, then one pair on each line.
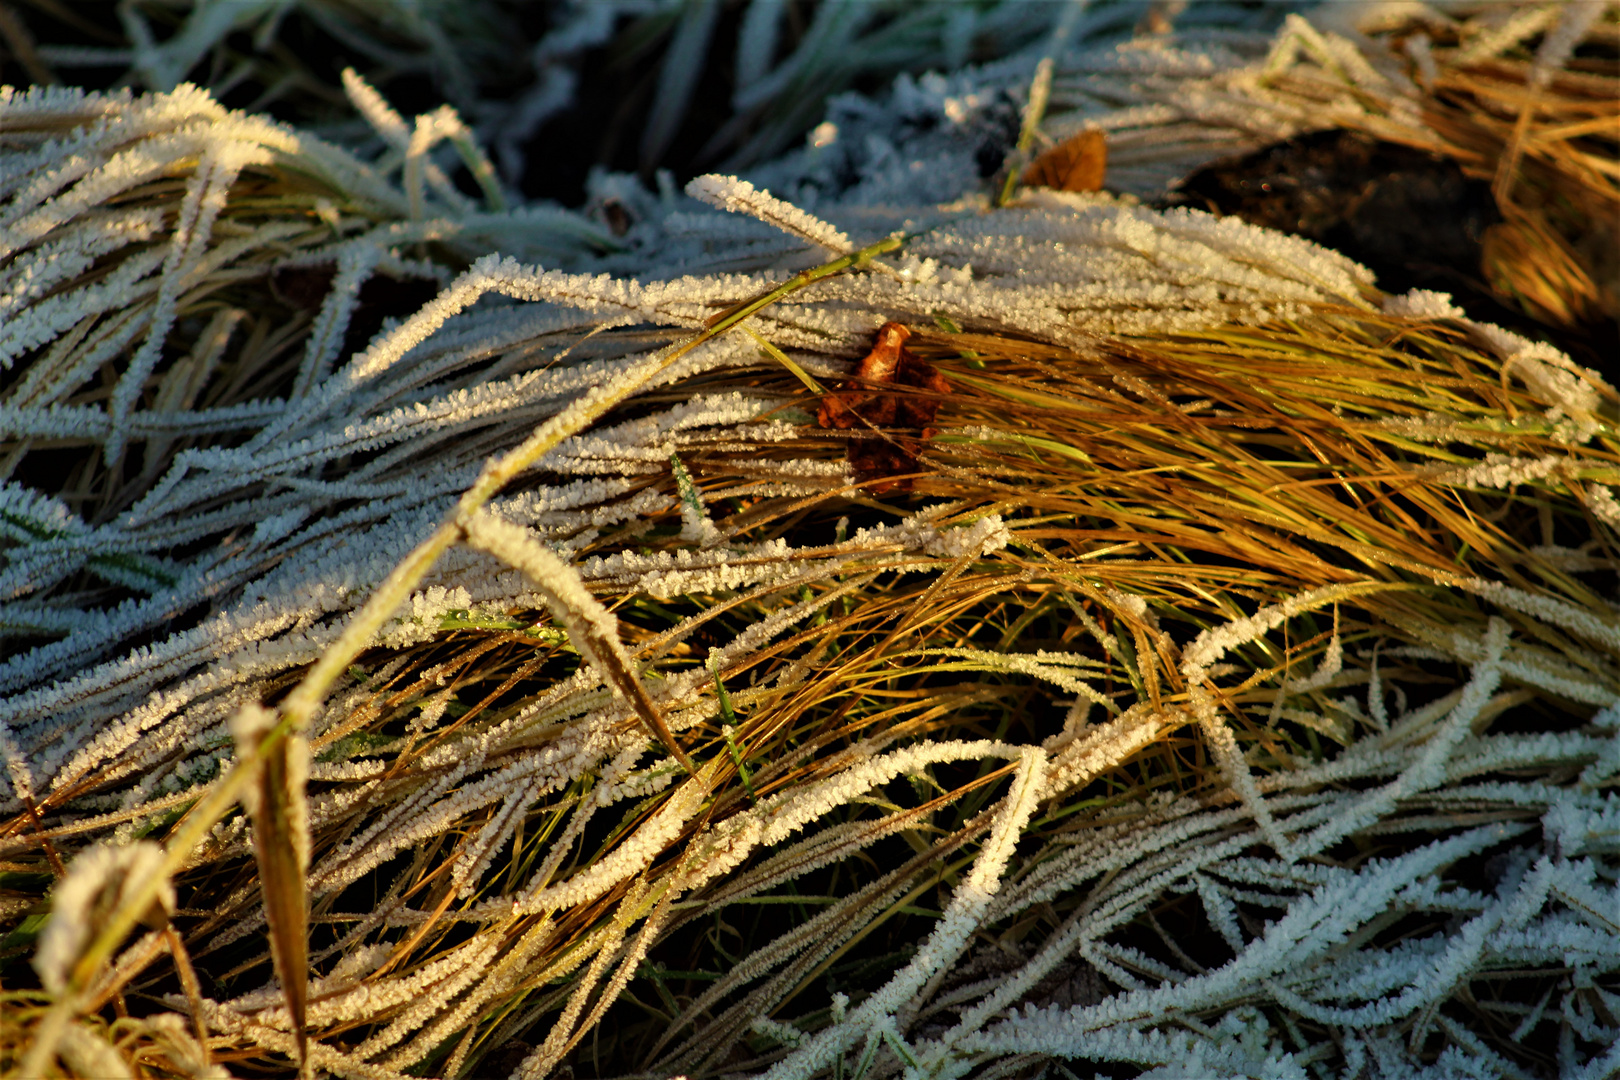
x,y
860,403
1078,163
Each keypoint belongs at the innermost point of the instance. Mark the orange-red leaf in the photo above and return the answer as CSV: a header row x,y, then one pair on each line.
x,y
862,403
1078,163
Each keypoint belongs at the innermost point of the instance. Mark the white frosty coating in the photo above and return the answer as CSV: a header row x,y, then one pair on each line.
x,y
1332,663
1572,393
88,1053
987,534
1602,632
1505,471
1314,922
1214,643
1428,768
355,263
1046,666
779,817
1574,20
376,110
628,859
1218,736
429,130
1604,506
1422,304
95,883
741,197
696,526
590,625
248,726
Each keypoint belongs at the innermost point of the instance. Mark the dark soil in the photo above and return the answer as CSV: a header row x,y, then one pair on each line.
x,y
1411,217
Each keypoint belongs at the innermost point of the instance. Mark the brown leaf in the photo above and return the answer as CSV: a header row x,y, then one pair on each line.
x,y
884,463
281,842
281,846
1078,163
860,404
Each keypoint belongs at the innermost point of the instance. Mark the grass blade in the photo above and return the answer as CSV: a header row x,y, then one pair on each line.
x,y
281,847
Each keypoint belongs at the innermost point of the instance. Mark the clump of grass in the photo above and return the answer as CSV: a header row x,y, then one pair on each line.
x,y
235,275
1203,477
1139,496
1233,682
1537,123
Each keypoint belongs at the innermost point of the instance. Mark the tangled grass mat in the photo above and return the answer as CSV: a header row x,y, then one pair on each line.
x,y
1051,638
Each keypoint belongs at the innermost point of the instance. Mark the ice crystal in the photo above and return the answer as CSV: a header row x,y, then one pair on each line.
x,y
741,197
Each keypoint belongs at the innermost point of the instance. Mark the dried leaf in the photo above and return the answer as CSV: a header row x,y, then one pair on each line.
x,y
1078,163
857,404
889,363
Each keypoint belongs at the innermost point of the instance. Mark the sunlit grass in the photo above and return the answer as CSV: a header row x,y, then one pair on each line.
x,y
1255,611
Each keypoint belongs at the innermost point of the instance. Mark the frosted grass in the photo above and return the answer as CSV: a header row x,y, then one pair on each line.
x,y
115,722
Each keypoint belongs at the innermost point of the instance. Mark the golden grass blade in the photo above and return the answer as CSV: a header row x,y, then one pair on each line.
x,y
786,361
281,849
